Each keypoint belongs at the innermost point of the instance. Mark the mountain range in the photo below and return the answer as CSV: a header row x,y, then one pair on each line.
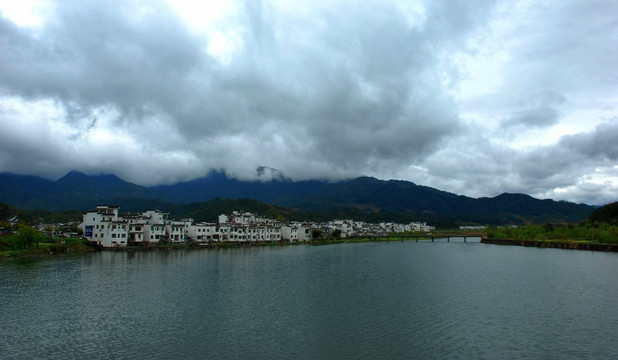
x,y
363,198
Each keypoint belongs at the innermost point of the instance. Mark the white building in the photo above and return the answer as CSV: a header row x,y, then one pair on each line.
x,y
104,226
296,232
155,233
203,232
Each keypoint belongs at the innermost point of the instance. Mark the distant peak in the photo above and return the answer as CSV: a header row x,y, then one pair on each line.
x,y
513,195
266,173
80,176
73,175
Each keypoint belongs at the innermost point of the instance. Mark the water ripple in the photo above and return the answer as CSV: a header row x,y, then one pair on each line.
x,y
361,301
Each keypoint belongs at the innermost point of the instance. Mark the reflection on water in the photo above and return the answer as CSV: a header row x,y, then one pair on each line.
x,y
369,300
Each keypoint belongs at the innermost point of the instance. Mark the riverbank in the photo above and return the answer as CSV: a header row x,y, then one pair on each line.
x,y
47,249
197,246
571,245
10,249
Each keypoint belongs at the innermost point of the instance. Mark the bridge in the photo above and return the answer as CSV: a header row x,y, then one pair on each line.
x,y
433,236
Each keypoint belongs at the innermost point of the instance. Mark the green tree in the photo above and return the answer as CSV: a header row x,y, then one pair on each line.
x,y
533,232
76,229
28,236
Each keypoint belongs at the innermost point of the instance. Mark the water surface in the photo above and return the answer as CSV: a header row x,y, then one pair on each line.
x,y
348,301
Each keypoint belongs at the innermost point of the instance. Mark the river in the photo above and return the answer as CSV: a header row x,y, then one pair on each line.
x,y
397,300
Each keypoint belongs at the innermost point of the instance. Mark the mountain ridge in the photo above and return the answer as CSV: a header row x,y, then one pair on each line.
x,y
362,195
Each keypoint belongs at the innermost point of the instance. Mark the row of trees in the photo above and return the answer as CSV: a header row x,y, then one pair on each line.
x,y
319,237
600,227
584,231
28,242
23,239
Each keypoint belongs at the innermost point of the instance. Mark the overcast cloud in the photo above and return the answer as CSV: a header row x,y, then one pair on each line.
x,y
471,97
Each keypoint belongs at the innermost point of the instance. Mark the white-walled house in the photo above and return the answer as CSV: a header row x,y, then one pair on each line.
x,y
203,232
178,230
155,217
296,232
105,227
155,233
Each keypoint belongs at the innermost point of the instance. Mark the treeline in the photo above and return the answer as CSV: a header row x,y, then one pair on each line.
x,y
36,216
26,240
600,227
606,214
585,231
20,236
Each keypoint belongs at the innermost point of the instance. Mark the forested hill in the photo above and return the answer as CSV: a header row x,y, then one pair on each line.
x,y
365,197
607,214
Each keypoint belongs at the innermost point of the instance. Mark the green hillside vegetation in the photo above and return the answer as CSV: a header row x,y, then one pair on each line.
x,y
600,227
210,210
606,214
37,216
585,232
367,199
21,238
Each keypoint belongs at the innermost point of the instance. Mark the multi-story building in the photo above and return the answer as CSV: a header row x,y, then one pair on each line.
x,y
203,232
104,227
297,232
107,228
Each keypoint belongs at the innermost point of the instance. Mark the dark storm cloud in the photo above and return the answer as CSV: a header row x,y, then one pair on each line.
x,y
557,165
571,155
600,143
99,53
328,90
568,166
366,90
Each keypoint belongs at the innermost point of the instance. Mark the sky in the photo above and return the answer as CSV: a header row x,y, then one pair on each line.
x,y
473,97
